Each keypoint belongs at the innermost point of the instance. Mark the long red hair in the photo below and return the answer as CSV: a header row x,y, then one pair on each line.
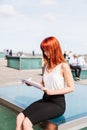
x,y
52,45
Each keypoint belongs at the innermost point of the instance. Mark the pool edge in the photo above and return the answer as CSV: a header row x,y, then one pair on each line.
x,y
10,105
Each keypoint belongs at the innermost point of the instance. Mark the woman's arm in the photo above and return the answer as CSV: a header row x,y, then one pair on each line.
x,y
69,82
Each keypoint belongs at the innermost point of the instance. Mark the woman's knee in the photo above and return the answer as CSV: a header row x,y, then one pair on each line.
x,y
27,123
20,118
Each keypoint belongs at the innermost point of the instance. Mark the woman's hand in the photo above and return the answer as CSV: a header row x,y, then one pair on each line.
x,y
47,91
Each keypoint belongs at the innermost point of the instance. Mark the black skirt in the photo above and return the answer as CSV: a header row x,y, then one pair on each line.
x,y
46,108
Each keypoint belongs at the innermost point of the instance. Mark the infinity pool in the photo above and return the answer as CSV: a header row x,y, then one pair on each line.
x,y
21,96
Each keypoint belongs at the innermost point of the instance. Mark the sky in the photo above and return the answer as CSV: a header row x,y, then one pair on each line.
x,y
25,23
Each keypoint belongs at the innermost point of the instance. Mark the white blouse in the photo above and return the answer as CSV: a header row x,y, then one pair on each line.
x,y
54,79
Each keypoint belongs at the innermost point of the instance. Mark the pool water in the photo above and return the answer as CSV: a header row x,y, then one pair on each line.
x,y
21,96
8,118
84,128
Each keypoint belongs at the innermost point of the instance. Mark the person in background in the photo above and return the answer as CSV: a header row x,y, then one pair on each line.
x,y
7,53
70,55
81,62
73,62
57,81
33,53
65,54
10,52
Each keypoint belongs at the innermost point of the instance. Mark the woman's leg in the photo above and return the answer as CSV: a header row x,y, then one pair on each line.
x,y
23,123
27,124
51,126
79,71
46,125
19,121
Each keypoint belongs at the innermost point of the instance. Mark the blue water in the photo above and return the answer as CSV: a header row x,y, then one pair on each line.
x,y
22,96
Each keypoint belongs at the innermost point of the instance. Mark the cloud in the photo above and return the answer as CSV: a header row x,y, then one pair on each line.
x,y
8,10
50,17
49,2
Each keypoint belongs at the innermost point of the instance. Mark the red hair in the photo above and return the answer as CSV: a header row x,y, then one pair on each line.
x,y
52,45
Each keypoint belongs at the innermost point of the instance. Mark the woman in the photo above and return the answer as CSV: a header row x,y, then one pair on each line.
x,y
57,81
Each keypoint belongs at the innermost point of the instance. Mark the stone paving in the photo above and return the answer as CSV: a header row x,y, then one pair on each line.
x,y
11,76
